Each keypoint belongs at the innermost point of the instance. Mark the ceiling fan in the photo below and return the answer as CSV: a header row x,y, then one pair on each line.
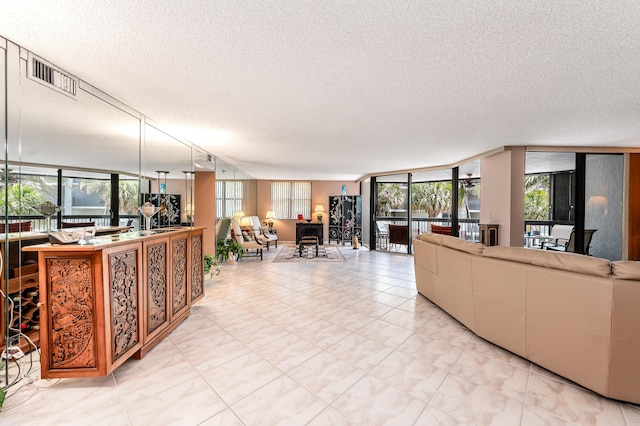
x,y
469,182
11,178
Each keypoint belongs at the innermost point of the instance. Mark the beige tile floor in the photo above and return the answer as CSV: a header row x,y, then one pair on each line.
x,y
321,344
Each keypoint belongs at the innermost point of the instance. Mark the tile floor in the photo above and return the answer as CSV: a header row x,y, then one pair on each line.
x,y
322,344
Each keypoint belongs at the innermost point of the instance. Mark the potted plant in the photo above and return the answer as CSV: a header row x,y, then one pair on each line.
x,y
210,266
227,249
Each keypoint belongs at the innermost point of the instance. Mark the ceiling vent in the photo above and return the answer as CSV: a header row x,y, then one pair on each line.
x,y
44,73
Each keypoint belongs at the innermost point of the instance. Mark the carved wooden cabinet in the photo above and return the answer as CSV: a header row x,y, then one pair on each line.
x,y
107,302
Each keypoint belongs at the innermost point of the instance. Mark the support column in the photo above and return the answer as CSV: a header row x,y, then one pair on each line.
x,y
502,194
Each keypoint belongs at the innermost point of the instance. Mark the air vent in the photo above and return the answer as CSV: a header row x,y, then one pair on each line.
x,y
45,73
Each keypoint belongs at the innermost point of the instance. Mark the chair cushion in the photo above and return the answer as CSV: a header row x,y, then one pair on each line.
x,y
245,236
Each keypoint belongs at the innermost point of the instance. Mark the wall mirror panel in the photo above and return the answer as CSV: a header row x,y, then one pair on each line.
x,y
167,167
86,132
62,150
234,193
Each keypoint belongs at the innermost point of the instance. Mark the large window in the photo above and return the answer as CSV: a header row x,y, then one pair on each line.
x,y
228,197
289,199
537,196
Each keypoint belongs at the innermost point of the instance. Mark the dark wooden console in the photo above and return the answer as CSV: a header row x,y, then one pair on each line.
x,y
308,229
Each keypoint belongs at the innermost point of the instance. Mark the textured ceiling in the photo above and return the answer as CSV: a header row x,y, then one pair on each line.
x,y
337,90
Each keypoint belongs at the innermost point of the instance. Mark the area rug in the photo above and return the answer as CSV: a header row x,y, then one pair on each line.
x,y
325,254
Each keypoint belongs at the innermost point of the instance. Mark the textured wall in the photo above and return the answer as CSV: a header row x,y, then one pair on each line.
x,y
603,210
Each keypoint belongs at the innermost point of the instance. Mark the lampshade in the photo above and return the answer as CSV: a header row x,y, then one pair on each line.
x,y
270,216
239,214
245,222
319,212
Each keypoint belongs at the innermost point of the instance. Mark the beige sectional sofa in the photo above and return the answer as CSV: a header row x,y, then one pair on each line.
x,y
575,315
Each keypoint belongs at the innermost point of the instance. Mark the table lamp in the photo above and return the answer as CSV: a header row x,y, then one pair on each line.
x,y
270,216
245,222
319,211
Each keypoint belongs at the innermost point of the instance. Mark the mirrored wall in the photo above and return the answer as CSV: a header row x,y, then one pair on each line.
x,y
74,154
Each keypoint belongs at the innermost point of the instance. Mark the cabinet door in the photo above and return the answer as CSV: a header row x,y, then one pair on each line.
x,y
179,297
124,266
73,322
156,286
197,267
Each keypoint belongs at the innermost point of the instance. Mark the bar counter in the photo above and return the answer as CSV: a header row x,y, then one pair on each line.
x,y
115,297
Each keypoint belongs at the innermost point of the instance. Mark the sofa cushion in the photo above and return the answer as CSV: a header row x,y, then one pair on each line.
x,y
571,262
430,238
514,254
626,270
461,245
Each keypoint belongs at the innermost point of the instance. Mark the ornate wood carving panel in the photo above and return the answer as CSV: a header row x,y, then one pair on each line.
x,y
197,272
71,316
156,285
179,274
123,269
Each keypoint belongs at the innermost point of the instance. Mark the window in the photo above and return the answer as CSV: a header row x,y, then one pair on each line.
x,y
289,199
228,197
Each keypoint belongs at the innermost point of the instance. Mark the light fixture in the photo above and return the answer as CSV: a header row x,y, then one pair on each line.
x,y
188,202
270,216
319,211
162,181
239,214
245,222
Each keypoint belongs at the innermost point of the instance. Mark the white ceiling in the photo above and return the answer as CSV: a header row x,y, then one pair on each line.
x,y
337,90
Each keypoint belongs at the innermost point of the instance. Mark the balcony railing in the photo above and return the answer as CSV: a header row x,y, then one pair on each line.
x,y
39,223
469,228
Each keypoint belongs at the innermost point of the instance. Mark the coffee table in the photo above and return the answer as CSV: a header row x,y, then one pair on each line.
x,y
307,241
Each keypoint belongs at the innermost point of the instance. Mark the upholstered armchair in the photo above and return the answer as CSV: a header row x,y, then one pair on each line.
x,y
247,242
268,236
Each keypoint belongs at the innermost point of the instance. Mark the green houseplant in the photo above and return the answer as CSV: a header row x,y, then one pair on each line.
x,y
228,248
210,266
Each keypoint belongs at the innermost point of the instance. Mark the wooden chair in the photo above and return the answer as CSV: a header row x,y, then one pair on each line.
x,y
398,234
438,229
15,227
77,224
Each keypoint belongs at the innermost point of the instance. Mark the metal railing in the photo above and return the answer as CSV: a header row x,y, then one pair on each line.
x,y
469,228
39,223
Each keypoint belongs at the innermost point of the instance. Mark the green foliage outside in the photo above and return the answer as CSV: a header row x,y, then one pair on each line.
x,y
22,197
433,198
536,197
20,200
128,193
